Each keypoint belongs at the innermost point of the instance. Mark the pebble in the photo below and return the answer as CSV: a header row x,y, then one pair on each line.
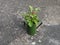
x,y
32,37
33,43
40,41
37,29
48,24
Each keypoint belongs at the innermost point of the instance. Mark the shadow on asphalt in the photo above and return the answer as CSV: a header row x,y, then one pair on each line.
x,y
11,31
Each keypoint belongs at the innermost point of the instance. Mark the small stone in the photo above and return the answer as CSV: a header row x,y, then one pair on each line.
x,y
35,34
37,29
40,41
33,43
48,24
32,37
17,40
16,28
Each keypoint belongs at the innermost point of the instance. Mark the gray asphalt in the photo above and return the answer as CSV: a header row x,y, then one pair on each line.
x,y
12,30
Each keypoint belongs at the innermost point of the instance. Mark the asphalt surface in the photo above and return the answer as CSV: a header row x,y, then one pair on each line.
x,y
12,30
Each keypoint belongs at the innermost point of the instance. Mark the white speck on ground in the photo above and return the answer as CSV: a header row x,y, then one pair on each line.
x,y
40,41
35,34
37,30
33,43
32,37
